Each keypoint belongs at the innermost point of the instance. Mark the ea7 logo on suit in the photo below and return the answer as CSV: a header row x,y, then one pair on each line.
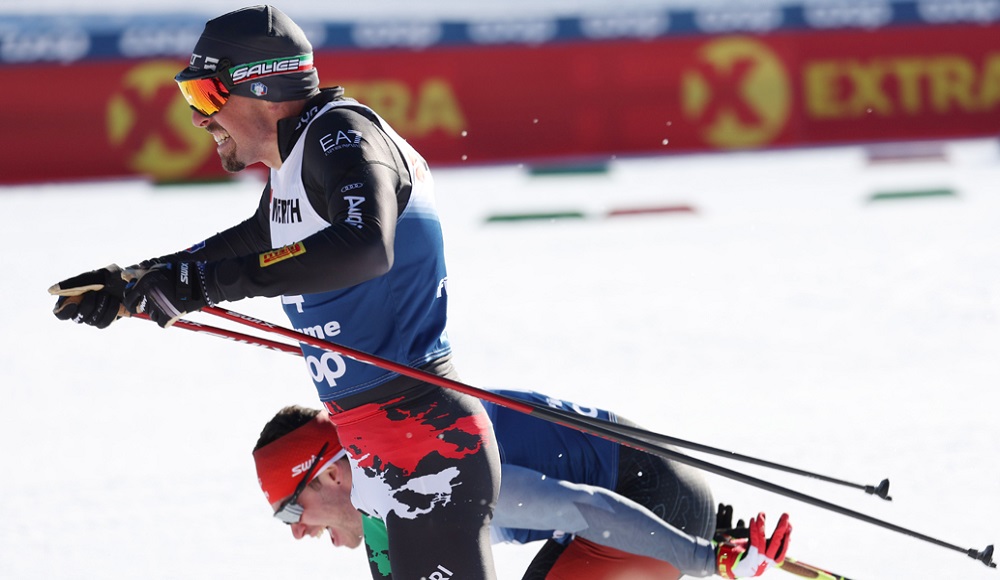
x,y
334,142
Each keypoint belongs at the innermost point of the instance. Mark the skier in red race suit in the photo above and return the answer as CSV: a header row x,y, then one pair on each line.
x,y
603,511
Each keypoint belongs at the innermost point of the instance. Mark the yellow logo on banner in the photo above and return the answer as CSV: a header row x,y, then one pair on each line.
x,y
906,86
150,120
737,92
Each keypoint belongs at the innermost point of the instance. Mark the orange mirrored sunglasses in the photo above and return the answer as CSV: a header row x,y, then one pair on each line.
x,y
207,94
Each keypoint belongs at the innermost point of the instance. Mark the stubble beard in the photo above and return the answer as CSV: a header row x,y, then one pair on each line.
x,y
228,160
230,163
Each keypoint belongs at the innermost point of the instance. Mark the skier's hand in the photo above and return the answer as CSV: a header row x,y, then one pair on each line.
x,y
93,298
750,557
724,523
166,292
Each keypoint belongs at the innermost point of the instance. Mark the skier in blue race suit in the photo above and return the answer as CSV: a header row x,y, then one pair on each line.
x,y
347,233
604,511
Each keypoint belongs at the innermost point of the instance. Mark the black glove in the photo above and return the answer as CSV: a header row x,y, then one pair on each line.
x,y
166,292
724,528
93,298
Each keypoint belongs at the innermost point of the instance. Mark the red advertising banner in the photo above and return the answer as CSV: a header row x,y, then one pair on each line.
x,y
516,103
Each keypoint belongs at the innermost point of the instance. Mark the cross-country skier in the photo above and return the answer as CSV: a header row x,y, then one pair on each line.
x,y
605,511
346,231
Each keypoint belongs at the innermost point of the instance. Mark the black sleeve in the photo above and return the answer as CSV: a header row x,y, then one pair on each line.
x,y
359,185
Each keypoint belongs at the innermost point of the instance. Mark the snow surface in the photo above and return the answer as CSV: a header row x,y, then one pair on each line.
x,y
786,318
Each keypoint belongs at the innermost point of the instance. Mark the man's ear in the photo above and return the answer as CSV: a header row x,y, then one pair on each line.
x,y
330,476
319,482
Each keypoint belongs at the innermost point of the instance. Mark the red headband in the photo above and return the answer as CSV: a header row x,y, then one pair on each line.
x,y
283,463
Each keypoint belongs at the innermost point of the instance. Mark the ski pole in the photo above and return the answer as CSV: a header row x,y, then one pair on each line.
x,y
793,566
232,335
789,565
882,490
572,420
